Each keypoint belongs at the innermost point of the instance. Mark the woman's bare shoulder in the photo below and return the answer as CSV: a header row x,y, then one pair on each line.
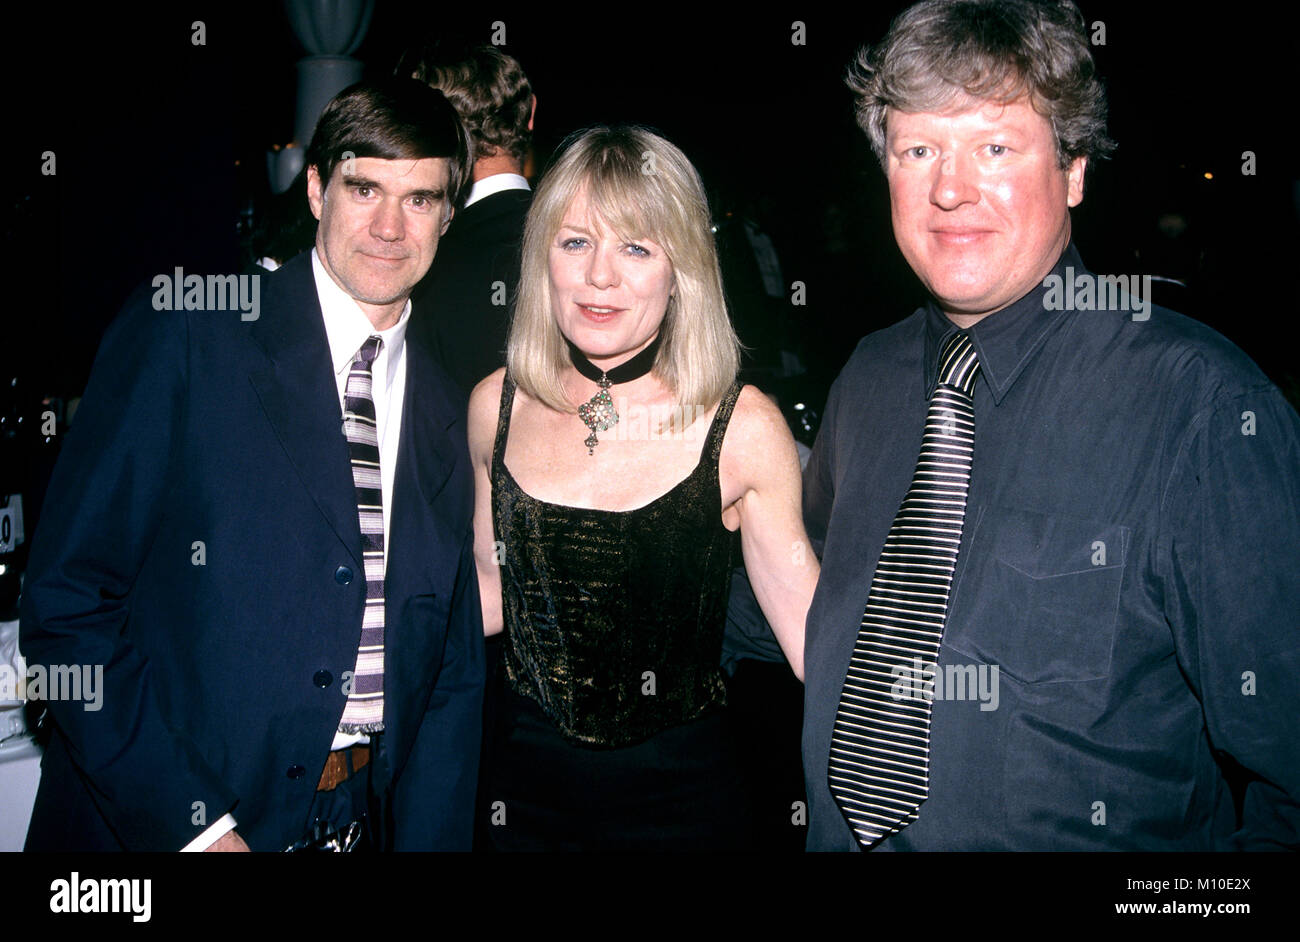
x,y
484,406
489,387
758,441
756,420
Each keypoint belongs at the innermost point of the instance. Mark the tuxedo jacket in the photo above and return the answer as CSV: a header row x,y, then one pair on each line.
x,y
462,307
200,541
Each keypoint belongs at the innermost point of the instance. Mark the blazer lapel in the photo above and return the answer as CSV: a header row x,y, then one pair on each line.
x,y
425,449
299,395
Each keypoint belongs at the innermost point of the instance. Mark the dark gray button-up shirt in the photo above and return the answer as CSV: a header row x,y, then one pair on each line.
x,y
1125,612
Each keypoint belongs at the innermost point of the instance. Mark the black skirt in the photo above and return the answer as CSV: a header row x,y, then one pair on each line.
x,y
680,790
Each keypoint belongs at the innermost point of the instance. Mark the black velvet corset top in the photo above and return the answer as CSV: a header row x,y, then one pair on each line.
x,y
614,619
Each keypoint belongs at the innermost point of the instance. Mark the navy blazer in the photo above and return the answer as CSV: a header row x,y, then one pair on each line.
x,y
224,662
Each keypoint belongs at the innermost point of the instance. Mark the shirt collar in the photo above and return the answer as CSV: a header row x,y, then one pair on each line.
x,y
347,327
495,184
1005,340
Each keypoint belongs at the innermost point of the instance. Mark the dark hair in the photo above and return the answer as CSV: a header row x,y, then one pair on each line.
x,y
391,119
488,89
989,49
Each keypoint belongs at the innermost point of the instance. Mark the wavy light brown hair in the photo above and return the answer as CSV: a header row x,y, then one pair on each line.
x,y
939,51
644,188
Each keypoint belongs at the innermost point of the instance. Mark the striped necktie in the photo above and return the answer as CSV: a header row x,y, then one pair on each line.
x,y
880,746
364,711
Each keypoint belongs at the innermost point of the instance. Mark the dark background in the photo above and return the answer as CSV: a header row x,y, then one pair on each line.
x,y
160,144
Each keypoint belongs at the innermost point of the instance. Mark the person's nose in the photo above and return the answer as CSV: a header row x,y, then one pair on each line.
x,y
387,224
954,183
602,269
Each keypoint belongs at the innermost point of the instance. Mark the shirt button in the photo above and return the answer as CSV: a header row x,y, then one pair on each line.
x,y
343,575
322,678
296,771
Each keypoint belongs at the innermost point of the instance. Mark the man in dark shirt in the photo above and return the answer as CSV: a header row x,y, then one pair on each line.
x,y
462,307
1120,625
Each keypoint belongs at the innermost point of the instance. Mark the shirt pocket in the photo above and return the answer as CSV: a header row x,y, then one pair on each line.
x,y
1039,595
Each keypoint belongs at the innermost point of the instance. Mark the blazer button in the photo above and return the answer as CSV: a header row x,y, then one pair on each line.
x,y
343,575
322,678
296,771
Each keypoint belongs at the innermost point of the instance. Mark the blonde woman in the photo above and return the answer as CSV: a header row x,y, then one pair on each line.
x,y
614,458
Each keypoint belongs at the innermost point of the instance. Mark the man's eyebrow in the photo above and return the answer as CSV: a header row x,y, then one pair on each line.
x,y
432,195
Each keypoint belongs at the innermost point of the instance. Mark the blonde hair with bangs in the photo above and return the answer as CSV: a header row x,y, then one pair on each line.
x,y
644,188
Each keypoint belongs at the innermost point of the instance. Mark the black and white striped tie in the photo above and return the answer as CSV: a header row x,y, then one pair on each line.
x,y
880,746
364,711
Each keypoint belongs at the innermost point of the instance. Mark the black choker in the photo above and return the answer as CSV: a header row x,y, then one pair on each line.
x,y
598,413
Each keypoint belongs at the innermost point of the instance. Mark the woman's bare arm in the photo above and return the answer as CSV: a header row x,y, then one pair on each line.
x,y
759,462
484,405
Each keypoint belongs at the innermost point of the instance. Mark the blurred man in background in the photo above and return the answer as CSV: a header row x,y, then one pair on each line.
x,y
462,308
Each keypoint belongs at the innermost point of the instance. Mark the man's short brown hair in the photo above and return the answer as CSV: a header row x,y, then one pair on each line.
x,y
391,119
487,88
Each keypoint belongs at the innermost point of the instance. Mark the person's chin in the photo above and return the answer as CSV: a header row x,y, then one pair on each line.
x,y
956,264
596,345
960,275
962,297
591,343
381,294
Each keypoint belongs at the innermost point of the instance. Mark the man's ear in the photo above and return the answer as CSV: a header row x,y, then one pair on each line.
x,y
315,192
446,217
532,113
1074,180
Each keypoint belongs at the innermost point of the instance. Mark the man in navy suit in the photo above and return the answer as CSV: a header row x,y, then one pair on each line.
x,y
211,539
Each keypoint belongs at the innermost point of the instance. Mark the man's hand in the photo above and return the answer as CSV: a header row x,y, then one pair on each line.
x,y
228,843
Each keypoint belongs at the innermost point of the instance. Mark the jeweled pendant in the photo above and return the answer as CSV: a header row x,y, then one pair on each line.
x,y
598,414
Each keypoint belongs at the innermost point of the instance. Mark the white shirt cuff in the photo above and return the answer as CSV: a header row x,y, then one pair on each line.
x,y
218,829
